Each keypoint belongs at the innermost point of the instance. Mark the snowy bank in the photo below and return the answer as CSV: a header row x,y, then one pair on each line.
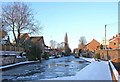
x,y
115,72
16,64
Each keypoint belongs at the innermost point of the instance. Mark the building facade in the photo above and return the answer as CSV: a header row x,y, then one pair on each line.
x,y
93,45
114,42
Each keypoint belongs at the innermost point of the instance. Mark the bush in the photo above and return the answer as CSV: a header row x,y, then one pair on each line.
x,y
97,56
34,52
46,55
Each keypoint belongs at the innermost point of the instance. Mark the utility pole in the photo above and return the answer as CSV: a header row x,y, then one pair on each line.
x,y
118,40
105,37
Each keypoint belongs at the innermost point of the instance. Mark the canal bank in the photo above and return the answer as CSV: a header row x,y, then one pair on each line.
x,y
7,67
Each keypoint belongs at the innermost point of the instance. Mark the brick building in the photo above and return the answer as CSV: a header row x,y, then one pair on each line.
x,y
114,42
93,45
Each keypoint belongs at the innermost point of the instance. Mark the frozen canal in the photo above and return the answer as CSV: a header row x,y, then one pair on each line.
x,y
52,68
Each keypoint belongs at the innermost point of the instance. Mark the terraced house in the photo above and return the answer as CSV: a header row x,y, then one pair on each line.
x,y
114,42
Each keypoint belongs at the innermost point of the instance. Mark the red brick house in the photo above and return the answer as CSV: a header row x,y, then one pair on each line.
x,y
114,42
93,45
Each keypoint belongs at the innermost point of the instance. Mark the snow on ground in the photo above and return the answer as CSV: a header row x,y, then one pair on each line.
x,y
88,59
94,71
11,65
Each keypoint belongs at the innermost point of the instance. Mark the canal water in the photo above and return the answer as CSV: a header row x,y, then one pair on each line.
x,y
52,68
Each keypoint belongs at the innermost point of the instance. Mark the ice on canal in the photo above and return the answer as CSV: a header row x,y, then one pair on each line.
x,y
48,69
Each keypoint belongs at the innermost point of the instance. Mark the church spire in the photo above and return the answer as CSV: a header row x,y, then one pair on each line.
x,y
66,38
67,50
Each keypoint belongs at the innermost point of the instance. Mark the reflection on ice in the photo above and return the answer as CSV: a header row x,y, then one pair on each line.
x,y
60,67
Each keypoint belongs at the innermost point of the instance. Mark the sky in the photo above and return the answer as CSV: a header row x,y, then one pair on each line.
x,y
78,19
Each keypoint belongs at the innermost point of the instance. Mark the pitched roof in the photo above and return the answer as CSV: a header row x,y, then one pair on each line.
x,y
93,45
114,37
24,35
92,41
35,39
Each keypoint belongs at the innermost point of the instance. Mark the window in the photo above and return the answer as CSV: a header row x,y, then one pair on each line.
x,y
114,43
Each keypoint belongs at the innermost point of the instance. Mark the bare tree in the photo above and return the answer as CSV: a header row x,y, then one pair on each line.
x,y
82,42
18,17
60,45
53,44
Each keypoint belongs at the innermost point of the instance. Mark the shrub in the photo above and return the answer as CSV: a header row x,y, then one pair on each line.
x,y
34,52
46,55
97,55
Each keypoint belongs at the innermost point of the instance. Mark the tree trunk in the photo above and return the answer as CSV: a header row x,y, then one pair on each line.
x,y
18,37
14,35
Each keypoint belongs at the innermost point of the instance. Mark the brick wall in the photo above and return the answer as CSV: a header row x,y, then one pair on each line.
x,y
114,43
114,53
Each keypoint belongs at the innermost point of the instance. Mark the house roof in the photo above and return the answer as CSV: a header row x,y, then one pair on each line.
x,y
36,38
114,37
22,35
92,41
93,44
25,37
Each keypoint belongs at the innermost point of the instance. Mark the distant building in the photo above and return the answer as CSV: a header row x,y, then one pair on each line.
x,y
105,44
66,49
114,42
66,41
93,45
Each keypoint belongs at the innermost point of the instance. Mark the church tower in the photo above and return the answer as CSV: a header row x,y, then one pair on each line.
x,y
67,50
66,40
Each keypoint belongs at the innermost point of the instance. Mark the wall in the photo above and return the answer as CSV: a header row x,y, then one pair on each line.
x,y
114,43
113,53
93,45
5,60
11,48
